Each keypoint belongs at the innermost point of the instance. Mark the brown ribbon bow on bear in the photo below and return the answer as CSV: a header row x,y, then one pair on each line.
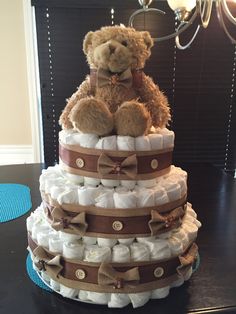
x,y
105,77
107,166
108,276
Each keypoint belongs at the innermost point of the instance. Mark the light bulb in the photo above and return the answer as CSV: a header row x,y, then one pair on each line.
x,y
188,5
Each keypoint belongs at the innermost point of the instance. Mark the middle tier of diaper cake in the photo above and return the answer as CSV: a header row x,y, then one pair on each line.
x,y
114,225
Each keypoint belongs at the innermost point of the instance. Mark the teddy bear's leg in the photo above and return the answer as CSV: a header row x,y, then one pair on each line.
x,y
91,115
132,118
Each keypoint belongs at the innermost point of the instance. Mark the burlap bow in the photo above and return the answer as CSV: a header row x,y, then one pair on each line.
x,y
107,166
108,276
187,260
159,223
105,77
61,221
43,261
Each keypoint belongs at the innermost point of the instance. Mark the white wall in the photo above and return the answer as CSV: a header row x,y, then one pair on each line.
x,y
15,125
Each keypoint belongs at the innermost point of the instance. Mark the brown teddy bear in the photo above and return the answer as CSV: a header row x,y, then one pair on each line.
x,y
117,96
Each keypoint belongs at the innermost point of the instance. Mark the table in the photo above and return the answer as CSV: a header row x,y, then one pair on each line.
x,y
211,289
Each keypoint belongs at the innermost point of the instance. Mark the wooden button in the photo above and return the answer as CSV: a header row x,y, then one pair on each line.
x,y
117,225
154,164
158,272
80,274
80,162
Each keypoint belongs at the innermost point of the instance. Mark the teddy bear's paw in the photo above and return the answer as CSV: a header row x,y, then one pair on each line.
x,y
133,119
90,115
64,121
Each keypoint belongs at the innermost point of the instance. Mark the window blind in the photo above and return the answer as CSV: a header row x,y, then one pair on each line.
x,y
199,82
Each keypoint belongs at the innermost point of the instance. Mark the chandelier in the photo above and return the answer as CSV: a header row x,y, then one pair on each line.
x,y
187,12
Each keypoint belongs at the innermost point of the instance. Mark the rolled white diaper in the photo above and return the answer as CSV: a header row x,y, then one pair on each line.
x,y
105,199
127,241
147,183
173,190
87,194
30,222
91,181
39,227
98,298
139,299
56,191
125,199
142,143
51,181
160,196
54,285
74,178
191,230
168,137
176,246
106,242
110,183
94,253
139,252
73,250
156,141
66,136
69,196
83,139
45,276
108,142
118,300
55,243
125,143
145,197
68,292
83,295
160,293
42,239
68,237
159,249
89,240
129,184
120,254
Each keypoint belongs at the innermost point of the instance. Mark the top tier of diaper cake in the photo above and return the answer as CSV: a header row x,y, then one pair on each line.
x,y
117,157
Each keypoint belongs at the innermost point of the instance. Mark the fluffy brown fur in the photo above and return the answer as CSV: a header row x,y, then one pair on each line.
x,y
116,48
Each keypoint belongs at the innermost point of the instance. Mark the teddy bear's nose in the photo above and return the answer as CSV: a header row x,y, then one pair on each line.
x,y
112,48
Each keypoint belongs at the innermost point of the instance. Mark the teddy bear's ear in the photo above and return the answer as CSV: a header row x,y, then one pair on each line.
x,y
87,41
147,39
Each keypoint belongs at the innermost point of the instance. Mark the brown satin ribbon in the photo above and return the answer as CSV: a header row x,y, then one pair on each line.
x,y
150,164
61,221
130,277
187,259
107,166
108,276
165,222
101,225
105,77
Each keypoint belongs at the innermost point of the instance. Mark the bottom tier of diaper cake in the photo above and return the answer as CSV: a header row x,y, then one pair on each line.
x,y
114,271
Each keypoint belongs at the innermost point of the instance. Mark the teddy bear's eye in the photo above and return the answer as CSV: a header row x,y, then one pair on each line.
x,y
124,43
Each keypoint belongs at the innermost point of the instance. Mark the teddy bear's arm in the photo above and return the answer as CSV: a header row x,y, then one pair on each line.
x,y
83,91
155,101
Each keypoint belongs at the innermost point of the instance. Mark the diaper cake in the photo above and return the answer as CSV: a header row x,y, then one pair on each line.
x,y
114,226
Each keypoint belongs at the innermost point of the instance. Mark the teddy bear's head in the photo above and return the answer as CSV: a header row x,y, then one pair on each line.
x,y
116,48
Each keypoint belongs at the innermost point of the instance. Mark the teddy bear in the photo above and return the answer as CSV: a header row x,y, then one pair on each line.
x,y
117,97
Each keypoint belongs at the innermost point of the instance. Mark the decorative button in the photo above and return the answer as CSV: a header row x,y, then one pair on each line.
x,y
80,162
154,164
80,274
117,225
158,272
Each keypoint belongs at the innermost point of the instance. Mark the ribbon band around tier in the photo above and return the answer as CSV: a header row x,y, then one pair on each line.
x,y
130,277
114,222
116,165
